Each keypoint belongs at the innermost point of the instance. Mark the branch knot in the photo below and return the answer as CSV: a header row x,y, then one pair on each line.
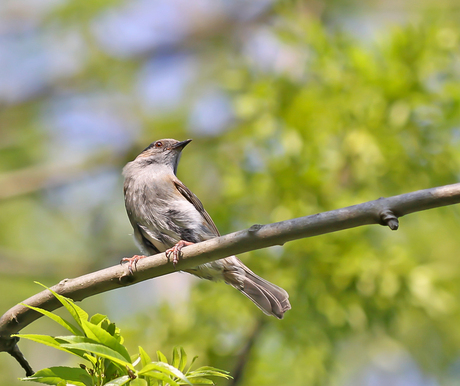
x,y
387,217
255,228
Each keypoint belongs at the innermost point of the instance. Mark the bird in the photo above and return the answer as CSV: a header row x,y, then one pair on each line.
x,y
166,216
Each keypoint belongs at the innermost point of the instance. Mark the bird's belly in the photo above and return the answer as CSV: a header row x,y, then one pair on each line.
x,y
169,224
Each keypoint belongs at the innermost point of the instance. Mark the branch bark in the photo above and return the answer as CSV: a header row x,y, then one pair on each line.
x,y
384,211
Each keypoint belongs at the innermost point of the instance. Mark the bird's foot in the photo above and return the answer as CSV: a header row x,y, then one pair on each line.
x,y
176,251
132,261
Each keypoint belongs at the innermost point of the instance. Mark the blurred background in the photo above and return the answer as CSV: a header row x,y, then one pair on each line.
x,y
294,107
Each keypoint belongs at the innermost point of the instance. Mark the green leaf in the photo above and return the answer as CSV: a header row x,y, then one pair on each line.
x,y
138,382
161,357
99,335
112,330
64,323
50,341
210,368
44,339
65,375
97,318
198,374
113,370
124,380
77,313
103,322
145,358
162,377
100,350
191,364
176,358
164,368
208,371
75,339
72,342
90,358
183,360
200,381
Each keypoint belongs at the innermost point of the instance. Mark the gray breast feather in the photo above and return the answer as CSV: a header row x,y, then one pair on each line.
x,y
164,225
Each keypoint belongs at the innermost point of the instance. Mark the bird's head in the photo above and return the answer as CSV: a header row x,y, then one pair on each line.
x,y
164,152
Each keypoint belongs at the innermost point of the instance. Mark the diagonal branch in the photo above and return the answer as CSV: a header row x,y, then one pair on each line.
x,y
384,211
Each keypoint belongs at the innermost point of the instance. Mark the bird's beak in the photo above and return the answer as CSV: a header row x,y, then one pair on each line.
x,y
181,145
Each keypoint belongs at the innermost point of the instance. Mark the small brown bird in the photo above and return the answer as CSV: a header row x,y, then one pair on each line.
x,y
167,216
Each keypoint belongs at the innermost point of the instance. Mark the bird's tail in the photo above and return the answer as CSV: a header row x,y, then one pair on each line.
x,y
270,298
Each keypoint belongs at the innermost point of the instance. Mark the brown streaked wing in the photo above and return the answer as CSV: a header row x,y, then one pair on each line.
x,y
195,201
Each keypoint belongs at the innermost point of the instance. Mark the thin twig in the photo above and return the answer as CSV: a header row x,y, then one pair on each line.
x,y
243,358
17,354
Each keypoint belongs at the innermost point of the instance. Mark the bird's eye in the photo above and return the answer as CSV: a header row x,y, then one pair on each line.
x,y
158,144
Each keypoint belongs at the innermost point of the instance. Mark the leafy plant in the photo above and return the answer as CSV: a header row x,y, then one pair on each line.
x,y
99,342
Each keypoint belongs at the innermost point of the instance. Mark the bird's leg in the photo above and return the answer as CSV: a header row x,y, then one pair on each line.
x,y
132,261
176,251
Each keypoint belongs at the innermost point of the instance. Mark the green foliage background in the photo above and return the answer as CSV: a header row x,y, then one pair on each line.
x,y
352,119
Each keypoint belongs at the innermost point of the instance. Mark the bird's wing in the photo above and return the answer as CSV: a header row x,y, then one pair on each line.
x,y
144,240
195,201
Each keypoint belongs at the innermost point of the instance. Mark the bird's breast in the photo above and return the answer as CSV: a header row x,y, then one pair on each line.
x,y
169,217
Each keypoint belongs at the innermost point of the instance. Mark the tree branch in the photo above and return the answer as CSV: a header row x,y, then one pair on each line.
x,y
384,211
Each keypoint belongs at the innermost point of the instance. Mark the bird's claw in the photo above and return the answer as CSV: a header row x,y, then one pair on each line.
x,y
175,251
132,261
